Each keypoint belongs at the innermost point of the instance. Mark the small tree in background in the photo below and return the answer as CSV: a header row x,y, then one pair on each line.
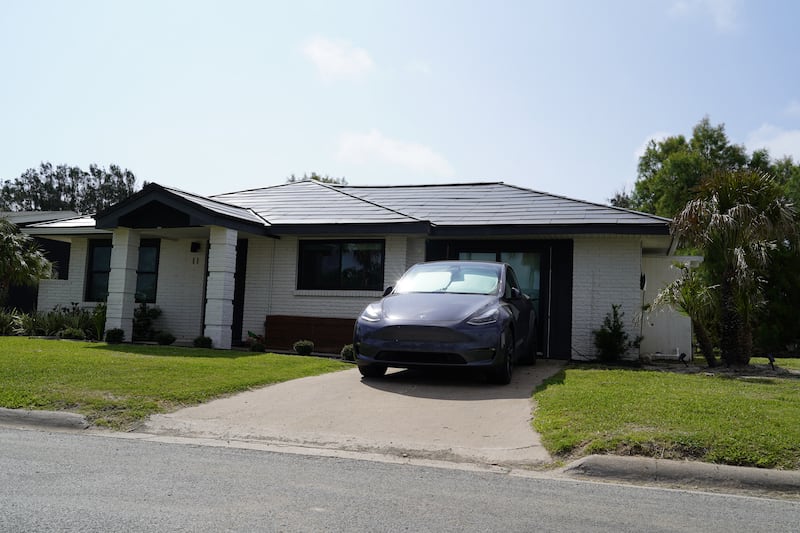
x,y
317,177
65,188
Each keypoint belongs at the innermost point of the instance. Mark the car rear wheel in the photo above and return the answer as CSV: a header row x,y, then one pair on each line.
x,y
372,371
504,365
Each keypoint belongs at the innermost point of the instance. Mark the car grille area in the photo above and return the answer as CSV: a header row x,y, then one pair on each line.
x,y
420,334
420,358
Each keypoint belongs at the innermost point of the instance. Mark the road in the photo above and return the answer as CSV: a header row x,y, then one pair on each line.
x,y
86,482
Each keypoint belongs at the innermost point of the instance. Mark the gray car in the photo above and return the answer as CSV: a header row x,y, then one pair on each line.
x,y
451,314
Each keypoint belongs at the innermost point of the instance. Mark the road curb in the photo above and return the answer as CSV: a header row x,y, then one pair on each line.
x,y
48,419
649,470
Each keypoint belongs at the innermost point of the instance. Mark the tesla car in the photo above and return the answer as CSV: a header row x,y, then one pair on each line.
x,y
452,314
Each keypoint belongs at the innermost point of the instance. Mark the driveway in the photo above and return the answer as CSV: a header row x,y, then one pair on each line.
x,y
434,415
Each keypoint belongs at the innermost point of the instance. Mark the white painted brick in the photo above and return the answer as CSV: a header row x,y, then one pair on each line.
x,y
606,271
180,289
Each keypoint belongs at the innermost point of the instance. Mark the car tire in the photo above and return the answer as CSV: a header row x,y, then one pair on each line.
x,y
503,368
372,371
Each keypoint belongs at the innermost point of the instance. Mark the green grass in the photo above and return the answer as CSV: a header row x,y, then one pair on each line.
x,y
787,363
119,385
750,422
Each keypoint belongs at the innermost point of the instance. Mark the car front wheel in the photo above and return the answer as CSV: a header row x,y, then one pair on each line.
x,y
504,363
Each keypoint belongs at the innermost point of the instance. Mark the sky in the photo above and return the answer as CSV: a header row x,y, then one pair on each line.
x,y
560,97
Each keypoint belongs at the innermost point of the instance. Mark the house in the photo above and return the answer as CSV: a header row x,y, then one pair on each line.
x,y
301,260
22,297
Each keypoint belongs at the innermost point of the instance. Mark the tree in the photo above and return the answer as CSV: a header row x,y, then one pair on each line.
x,y
21,261
671,170
317,177
737,220
63,187
692,296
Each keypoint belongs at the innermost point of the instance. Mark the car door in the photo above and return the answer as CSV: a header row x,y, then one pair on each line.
x,y
521,307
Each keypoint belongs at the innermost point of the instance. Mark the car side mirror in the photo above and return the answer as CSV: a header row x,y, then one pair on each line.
x,y
388,290
516,294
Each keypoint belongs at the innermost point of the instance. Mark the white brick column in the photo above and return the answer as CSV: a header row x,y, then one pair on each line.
x,y
219,286
122,281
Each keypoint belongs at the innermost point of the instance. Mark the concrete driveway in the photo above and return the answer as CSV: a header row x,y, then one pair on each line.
x,y
451,416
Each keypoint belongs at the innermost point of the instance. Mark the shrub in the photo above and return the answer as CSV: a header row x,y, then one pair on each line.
x,y
257,347
303,347
144,318
203,342
29,324
72,333
165,338
348,353
98,322
7,322
115,336
611,340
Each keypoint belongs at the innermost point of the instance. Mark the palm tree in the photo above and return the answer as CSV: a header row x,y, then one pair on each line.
x,y
690,295
737,219
21,261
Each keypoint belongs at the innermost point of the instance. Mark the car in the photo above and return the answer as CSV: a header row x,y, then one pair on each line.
x,y
465,314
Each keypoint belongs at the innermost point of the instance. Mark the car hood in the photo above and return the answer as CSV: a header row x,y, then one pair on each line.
x,y
435,307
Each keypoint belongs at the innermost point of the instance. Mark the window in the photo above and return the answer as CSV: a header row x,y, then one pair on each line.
x,y
100,266
341,265
147,271
97,273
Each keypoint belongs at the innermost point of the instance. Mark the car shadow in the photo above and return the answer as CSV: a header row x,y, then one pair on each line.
x,y
464,384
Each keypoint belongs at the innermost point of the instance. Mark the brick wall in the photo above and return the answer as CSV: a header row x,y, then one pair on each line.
x,y
63,292
180,288
606,271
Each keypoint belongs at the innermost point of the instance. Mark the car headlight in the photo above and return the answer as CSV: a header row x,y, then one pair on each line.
x,y
483,318
372,313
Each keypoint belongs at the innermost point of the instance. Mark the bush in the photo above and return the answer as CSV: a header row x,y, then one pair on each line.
x,y
257,347
7,319
144,318
72,333
348,353
611,340
165,338
203,342
98,322
303,347
31,325
115,336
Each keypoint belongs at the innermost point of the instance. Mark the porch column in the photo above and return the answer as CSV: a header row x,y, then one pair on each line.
x,y
122,281
219,286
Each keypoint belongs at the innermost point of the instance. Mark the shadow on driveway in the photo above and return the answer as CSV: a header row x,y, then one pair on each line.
x,y
463,384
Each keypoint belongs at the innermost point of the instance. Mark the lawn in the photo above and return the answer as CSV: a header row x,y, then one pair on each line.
x,y
703,416
120,385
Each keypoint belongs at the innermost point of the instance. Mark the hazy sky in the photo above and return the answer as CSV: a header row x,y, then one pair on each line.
x,y
556,96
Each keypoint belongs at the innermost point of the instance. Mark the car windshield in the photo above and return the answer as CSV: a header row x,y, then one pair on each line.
x,y
461,279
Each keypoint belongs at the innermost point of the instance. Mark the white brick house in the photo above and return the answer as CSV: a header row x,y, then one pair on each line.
x,y
301,260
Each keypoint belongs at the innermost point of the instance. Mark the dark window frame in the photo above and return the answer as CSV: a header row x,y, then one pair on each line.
x,y
311,279
155,244
92,272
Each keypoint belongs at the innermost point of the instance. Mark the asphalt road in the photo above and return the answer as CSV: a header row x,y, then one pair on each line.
x,y
86,482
